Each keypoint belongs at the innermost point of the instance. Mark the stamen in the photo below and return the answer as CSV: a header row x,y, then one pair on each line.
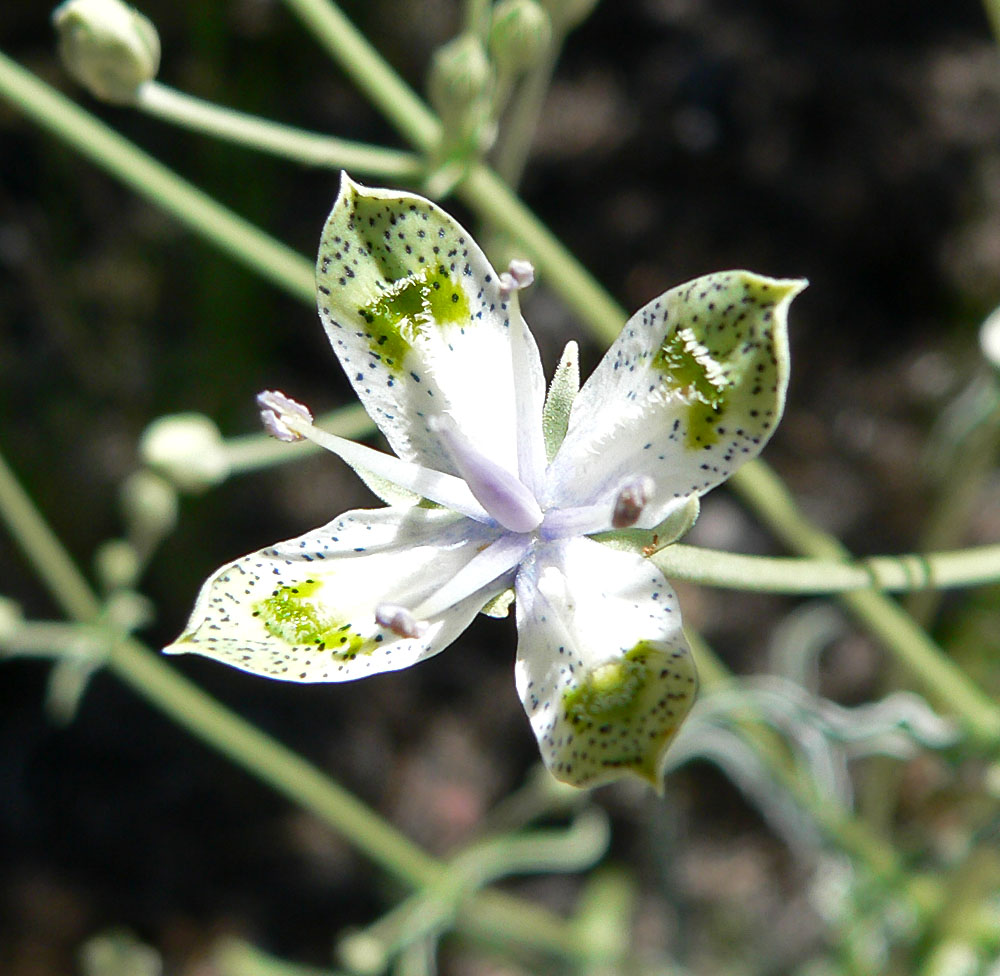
x,y
501,493
399,620
494,562
519,274
274,405
445,489
631,500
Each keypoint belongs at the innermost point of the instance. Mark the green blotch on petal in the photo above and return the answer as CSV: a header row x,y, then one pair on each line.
x,y
689,367
628,711
723,353
292,614
412,306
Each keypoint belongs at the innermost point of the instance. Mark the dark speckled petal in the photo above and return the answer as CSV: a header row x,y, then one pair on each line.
x,y
603,670
692,388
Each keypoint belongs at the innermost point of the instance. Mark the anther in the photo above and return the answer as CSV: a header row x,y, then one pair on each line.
x,y
399,620
519,274
275,409
630,502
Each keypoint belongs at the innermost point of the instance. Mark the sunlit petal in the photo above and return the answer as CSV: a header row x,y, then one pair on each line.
x,y
692,388
305,609
415,313
602,669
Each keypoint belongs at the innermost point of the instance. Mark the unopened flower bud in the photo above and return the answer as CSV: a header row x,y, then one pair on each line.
x,y
519,35
117,564
149,503
107,46
461,77
187,449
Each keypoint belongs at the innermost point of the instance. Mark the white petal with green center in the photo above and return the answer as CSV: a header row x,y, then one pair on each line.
x,y
602,669
692,388
413,310
305,609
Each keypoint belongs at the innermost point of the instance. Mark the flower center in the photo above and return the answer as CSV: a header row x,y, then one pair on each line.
x,y
502,494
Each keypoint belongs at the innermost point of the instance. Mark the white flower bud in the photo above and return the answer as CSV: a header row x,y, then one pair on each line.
x,y
461,77
519,35
107,46
187,449
117,564
149,504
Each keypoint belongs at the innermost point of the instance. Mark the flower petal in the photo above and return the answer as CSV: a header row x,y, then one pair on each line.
x,y
602,669
414,311
692,388
305,609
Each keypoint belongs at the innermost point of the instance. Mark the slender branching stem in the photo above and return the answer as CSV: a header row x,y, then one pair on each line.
x,y
914,572
269,258
308,148
943,680
253,750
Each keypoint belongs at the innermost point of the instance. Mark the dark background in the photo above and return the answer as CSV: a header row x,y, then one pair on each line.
x,y
853,144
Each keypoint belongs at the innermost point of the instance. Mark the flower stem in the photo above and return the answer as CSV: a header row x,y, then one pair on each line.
x,y
370,72
308,148
925,660
493,914
482,189
53,564
907,573
849,834
271,259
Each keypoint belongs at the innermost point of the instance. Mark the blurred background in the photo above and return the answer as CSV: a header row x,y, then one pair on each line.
x,y
857,145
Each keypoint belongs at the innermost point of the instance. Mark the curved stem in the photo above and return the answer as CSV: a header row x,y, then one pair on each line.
x,y
308,148
944,680
496,203
53,564
482,189
370,72
848,833
493,913
521,118
271,259
907,573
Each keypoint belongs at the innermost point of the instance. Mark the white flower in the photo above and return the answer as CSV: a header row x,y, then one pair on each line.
x,y
433,341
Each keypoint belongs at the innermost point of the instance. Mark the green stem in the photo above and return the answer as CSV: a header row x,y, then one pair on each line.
x,y
308,148
494,202
67,584
907,573
924,659
238,237
272,763
370,72
476,19
520,122
992,8
482,189
494,913
849,834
